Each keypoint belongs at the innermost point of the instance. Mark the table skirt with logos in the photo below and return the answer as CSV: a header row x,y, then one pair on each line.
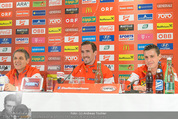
x,y
41,101
76,100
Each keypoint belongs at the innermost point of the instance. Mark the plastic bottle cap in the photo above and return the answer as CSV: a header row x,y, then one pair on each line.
x,y
98,61
169,58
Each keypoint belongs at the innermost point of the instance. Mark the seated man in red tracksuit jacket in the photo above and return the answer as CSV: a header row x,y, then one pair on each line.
x,y
152,56
21,59
88,67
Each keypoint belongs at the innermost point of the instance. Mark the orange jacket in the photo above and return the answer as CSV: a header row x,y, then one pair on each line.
x,y
141,73
88,71
16,79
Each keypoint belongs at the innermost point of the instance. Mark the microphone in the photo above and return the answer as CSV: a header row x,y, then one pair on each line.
x,y
4,78
131,86
59,79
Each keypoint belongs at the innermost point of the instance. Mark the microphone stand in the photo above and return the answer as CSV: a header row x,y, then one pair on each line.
x,y
59,80
131,86
3,69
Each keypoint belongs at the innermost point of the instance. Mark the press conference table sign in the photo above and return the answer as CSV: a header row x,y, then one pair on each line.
x,y
87,88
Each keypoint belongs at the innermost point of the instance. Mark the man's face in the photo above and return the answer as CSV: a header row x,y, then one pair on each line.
x,y
88,55
151,58
9,106
20,61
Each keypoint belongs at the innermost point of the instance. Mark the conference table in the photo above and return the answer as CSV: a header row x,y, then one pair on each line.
x,y
105,105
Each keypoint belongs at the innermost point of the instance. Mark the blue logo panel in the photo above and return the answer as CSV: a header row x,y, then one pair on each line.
x,y
89,38
142,46
103,1
38,22
89,29
22,40
145,16
106,37
165,46
38,49
54,49
39,12
127,36
145,6
5,40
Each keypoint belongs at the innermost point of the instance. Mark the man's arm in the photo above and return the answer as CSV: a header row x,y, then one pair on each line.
x,y
135,78
8,85
107,75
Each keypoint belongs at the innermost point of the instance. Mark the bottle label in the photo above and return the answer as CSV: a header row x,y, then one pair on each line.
x,y
159,84
159,70
166,86
171,85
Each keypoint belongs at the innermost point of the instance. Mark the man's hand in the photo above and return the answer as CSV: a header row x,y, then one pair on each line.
x,y
9,87
141,89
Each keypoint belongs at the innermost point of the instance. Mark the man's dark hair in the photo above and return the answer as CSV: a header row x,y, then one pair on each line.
x,y
10,97
94,48
27,56
152,46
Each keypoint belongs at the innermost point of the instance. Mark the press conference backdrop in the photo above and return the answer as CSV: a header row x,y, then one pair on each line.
x,y
52,31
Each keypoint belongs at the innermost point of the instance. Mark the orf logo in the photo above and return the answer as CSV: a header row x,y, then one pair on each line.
x,y
71,20
106,9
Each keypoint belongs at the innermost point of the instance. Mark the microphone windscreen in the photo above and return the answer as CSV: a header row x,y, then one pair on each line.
x,y
4,79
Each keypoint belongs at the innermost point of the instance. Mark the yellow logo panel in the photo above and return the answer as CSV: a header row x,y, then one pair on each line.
x,y
126,57
6,23
107,18
54,30
164,25
71,48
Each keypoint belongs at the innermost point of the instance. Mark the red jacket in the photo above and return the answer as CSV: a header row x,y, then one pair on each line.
x,y
88,71
140,73
16,79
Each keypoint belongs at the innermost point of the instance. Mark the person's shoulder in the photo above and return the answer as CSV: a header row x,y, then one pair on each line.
x,y
80,65
104,66
141,69
32,69
77,68
11,71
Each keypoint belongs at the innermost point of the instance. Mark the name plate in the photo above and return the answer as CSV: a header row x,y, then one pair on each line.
x,y
31,84
87,88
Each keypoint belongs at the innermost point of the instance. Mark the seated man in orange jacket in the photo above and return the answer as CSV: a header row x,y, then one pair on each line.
x,y
21,59
152,56
88,67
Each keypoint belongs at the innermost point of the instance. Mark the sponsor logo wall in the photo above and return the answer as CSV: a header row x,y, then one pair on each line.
x,y
52,31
